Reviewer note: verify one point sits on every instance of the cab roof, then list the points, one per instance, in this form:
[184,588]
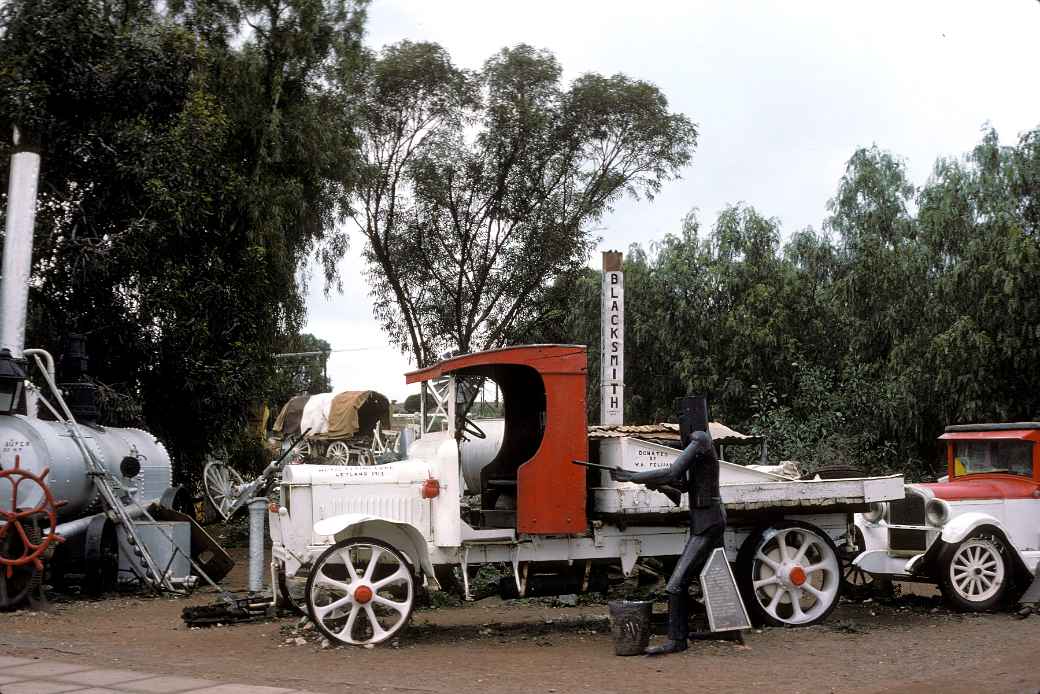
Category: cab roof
[1027,431]
[545,359]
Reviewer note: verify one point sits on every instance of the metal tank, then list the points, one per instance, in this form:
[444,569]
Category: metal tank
[40,444]
[476,453]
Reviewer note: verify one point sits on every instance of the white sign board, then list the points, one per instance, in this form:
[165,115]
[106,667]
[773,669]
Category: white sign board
[612,341]
[721,596]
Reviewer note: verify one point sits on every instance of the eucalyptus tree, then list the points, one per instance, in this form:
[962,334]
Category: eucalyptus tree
[195,158]
[483,187]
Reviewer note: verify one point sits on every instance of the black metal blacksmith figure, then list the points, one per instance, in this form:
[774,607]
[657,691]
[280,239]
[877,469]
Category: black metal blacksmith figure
[695,470]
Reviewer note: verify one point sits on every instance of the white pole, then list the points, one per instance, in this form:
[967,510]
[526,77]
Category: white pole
[18,243]
[612,341]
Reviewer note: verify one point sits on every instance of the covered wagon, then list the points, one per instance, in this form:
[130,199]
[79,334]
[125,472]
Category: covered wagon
[351,426]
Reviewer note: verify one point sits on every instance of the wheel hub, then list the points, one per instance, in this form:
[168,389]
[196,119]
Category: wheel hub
[796,576]
[363,595]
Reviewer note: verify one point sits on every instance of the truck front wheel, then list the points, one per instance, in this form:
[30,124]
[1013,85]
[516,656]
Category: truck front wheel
[360,591]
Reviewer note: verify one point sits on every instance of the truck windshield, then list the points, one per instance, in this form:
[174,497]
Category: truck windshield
[995,455]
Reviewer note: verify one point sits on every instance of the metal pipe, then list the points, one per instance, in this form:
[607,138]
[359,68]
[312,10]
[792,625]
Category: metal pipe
[75,528]
[422,409]
[47,358]
[257,511]
[17,261]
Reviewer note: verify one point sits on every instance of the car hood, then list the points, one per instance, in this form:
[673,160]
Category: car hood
[984,488]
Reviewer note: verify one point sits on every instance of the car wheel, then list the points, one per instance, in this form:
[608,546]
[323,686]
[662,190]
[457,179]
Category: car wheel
[974,574]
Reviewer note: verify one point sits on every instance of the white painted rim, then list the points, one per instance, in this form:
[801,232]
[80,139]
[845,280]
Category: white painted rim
[977,570]
[301,452]
[338,453]
[333,595]
[796,576]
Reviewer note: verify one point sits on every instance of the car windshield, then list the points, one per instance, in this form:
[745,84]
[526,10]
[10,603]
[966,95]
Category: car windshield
[993,455]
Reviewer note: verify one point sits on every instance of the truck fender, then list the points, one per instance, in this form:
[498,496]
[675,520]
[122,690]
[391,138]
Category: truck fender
[404,537]
[964,525]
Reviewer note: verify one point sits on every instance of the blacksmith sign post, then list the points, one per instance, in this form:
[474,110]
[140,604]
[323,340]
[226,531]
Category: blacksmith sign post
[612,341]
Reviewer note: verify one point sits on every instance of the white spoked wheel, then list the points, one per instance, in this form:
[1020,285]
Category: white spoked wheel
[338,453]
[221,485]
[360,591]
[790,575]
[300,453]
[974,573]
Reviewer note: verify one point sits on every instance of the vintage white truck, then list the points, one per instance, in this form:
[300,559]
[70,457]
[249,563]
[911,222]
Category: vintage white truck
[365,537]
[976,532]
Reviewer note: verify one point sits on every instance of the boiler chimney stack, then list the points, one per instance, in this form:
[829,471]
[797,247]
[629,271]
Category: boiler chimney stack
[18,242]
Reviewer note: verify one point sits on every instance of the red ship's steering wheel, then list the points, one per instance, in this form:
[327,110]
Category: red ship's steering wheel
[15,519]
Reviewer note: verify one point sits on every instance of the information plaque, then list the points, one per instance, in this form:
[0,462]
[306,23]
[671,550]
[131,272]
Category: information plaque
[721,596]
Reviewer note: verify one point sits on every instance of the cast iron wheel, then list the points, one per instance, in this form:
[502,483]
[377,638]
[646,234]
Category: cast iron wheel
[221,485]
[789,574]
[178,499]
[975,575]
[15,585]
[100,557]
[360,591]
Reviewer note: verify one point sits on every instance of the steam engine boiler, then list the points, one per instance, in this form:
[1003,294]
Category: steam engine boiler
[51,507]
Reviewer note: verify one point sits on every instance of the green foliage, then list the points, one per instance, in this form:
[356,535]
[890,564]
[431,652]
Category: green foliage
[190,170]
[914,309]
[300,374]
[412,403]
[482,188]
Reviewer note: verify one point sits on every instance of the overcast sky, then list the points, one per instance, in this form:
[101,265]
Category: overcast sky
[782,92]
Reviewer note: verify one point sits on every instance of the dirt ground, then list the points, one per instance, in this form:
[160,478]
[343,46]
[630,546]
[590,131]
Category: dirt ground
[909,644]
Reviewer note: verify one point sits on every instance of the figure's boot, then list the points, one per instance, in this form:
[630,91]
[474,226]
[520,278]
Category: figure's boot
[678,625]
[667,647]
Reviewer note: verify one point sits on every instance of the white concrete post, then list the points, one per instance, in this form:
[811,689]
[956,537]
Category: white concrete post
[612,341]
[257,516]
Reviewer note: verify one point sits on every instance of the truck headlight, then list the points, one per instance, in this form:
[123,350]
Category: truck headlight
[937,512]
[875,513]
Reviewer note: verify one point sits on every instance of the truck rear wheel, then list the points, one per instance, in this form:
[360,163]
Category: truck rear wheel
[789,574]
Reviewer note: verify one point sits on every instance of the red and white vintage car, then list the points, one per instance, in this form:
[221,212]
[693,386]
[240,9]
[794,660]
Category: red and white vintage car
[976,532]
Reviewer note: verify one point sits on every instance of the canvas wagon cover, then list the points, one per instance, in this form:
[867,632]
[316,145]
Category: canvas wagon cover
[288,420]
[327,415]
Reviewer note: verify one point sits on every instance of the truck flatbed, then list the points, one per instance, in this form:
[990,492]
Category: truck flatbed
[743,489]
